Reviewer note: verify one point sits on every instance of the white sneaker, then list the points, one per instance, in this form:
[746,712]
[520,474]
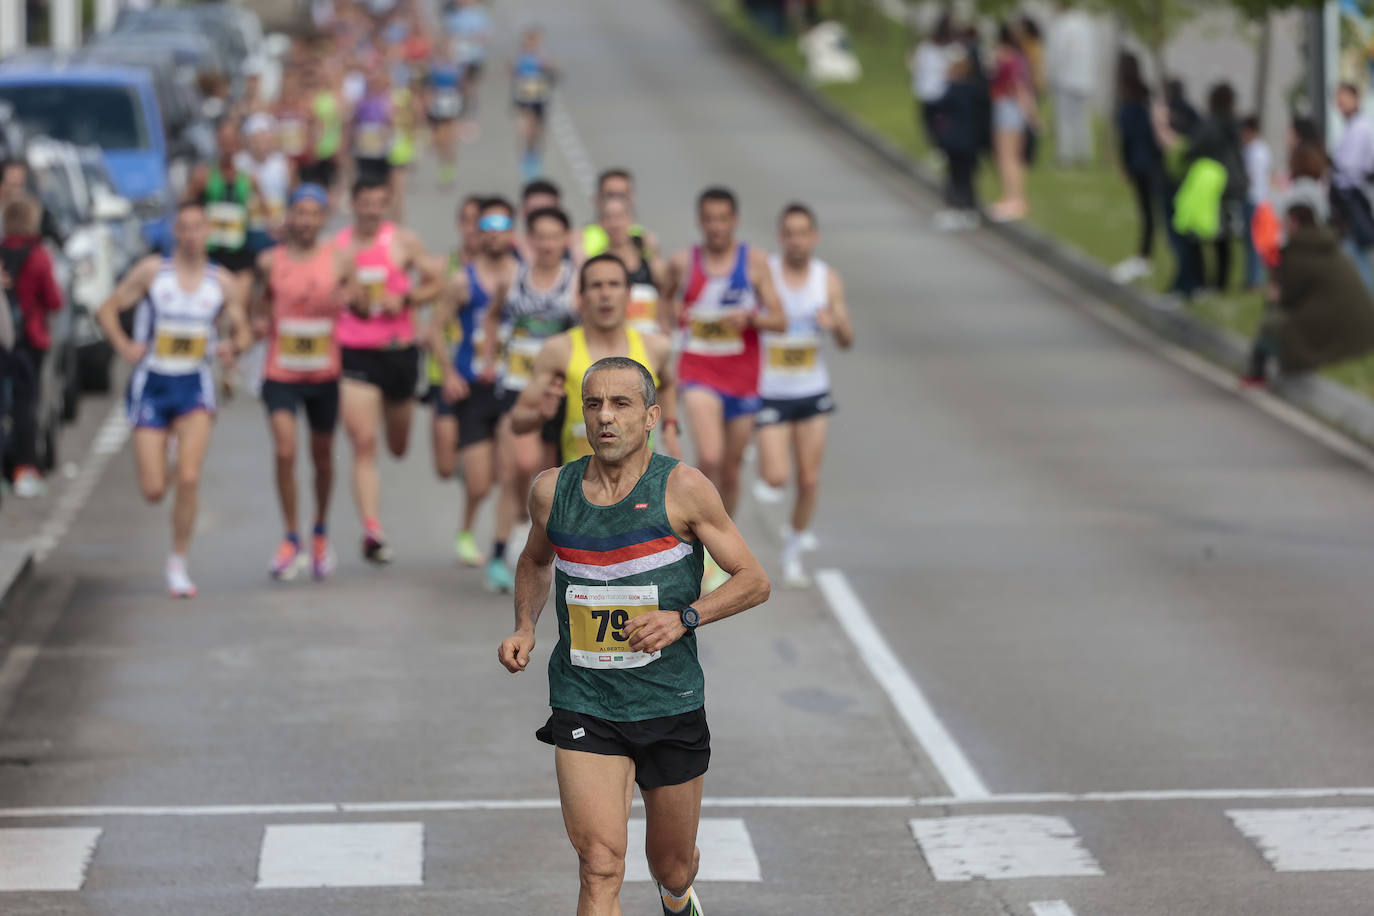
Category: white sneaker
[794,574]
[179,583]
[768,495]
[28,484]
[948,221]
[806,540]
[1130,270]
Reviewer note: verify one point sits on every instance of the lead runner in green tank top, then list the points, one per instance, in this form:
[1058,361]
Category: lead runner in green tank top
[620,535]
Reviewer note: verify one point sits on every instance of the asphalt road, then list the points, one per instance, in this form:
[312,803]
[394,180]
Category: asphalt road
[1106,576]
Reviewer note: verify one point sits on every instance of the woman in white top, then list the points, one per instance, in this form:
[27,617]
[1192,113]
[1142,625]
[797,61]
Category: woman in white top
[929,66]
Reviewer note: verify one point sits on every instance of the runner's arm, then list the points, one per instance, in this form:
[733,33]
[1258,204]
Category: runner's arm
[491,337]
[537,404]
[693,504]
[454,297]
[837,312]
[669,307]
[771,317]
[533,576]
[126,295]
[432,268]
[236,310]
[661,352]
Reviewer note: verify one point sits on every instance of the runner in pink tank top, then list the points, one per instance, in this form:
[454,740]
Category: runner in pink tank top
[304,295]
[723,292]
[379,356]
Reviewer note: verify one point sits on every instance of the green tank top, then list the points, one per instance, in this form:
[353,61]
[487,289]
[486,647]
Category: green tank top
[226,209]
[326,109]
[595,241]
[217,189]
[609,562]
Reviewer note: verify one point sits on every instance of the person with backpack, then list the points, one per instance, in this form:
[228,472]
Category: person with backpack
[31,288]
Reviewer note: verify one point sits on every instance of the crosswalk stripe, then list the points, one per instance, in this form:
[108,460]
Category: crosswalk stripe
[727,851]
[1311,839]
[1002,846]
[342,855]
[46,858]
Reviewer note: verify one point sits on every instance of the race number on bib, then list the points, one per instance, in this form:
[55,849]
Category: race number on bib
[303,344]
[373,282]
[372,141]
[293,135]
[793,354]
[446,103]
[642,312]
[598,616]
[520,355]
[708,334]
[531,89]
[228,225]
[179,347]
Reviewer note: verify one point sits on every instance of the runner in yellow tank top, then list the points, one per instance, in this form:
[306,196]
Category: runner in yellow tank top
[565,358]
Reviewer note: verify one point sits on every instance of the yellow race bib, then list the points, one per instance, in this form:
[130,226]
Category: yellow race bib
[708,334]
[228,225]
[304,344]
[793,354]
[598,616]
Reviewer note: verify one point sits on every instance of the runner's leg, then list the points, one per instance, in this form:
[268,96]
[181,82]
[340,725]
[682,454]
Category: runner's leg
[671,815]
[479,469]
[193,441]
[596,791]
[774,462]
[398,416]
[444,435]
[706,418]
[362,406]
[809,437]
[283,423]
[150,459]
[322,456]
[737,433]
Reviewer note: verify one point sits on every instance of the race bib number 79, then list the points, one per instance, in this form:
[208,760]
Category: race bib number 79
[598,617]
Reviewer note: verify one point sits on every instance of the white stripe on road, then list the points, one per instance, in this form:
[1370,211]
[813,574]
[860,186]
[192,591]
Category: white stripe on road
[912,705]
[727,852]
[1000,846]
[1311,839]
[1050,908]
[1149,795]
[342,855]
[110,438]
[571,145]
[46,858]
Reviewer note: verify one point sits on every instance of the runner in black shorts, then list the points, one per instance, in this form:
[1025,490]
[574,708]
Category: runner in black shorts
[532,77]
[625,682]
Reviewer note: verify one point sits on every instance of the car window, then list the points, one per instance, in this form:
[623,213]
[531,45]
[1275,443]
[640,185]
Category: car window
[88,115]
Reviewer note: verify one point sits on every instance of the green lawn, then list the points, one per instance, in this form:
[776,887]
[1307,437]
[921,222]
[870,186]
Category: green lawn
[1091,208]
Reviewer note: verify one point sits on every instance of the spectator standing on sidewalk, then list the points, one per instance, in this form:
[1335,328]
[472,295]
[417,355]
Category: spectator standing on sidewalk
[958,133]
[1014,113]
[1141,160]
[1072,75]
[1259,167]
[1217,139]
[34,294]
[1352,170]
[1033,46]
[929,66]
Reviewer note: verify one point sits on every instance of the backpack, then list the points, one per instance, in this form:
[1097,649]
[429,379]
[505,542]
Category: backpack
[13,261]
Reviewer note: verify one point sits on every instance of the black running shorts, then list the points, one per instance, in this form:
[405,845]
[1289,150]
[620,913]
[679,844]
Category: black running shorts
[320,399]
[667,752]
[395,371]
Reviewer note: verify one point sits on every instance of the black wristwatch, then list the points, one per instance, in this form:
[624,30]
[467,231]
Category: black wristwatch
[690,618]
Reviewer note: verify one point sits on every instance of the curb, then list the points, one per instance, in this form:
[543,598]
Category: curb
[1323,398]
[16,565]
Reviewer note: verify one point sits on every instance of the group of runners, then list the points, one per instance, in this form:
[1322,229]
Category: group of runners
[559,363]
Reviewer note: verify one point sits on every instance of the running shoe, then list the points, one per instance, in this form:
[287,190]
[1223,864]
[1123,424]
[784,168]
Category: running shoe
[768,495]
[179,583]
[288,562]
[375,549]
[794,575]
[28,483]
[322,558]
[499,576]
[465,545]
[689,907]
[806,540]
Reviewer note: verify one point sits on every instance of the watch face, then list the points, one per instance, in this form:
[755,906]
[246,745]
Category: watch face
[690,617]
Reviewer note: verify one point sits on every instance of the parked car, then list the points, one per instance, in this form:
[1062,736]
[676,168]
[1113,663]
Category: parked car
[111,107]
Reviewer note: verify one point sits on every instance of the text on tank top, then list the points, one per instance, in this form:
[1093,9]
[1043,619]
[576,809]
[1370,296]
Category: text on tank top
[793,362]
[613,564]
[532,316]
[302,347]
[573,438]
[178,327]
[377,273]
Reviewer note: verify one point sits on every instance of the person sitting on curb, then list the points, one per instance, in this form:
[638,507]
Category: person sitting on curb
[1324,314]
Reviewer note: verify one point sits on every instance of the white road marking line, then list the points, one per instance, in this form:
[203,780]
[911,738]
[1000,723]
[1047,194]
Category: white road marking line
[570,144]
[109,439]
[1051,908]
[46,858]
[1149,795]
[342,855]
[997,846]
[1311,839]
[955,768]
[727,852]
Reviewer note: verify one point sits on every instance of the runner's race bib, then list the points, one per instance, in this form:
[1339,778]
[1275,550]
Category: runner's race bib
[446,104]
[304,344]
[709,335]
[179,347]
[598,616]
[520,353]
[293,137]
[798,353]
[642,312]
[373,282]
[372,141]
[228,225]
[531,88]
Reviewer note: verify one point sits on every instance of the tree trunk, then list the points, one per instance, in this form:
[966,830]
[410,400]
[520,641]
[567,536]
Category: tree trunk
[1262,68]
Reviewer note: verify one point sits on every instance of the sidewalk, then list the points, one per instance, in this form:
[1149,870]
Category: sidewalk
[1348,409]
